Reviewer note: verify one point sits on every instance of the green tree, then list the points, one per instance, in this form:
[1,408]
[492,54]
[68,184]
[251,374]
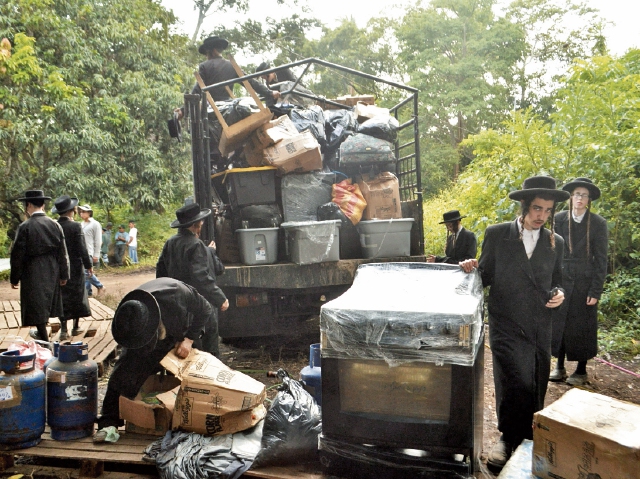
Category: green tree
[85,99]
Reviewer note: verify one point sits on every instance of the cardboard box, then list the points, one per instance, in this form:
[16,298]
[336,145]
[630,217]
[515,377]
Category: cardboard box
[209,391]
[587,435]
[254,155]
[298,153]
[365,112]
[382,194]
[271,133]
[352,100]
[143,415]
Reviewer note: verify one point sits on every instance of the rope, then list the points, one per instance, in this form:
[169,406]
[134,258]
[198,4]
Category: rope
[617,367]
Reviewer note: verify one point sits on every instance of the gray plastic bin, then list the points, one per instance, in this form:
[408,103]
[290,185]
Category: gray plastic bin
[258,245]
[385,238]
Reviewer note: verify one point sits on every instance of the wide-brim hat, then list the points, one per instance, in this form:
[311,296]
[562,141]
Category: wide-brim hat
[85,208]
[135,323]
[594,191]
[175,130]
[450,216]
[213,42]
[64,203]
[33,195]
[189,214]
[263,66]
[539,185]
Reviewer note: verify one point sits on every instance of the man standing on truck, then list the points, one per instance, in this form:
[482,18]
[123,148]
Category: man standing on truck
[216,69]
[185,257]
[521,262]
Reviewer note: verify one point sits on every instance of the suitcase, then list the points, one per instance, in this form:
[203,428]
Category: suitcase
[302,193]
[362,150]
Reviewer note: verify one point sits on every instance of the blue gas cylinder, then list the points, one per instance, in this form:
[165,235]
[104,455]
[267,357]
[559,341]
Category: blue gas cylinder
[72,392]
[311,376]
[22,393]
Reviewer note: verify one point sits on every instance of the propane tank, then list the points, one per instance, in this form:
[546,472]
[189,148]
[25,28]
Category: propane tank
[72,392]
[22,399]
[311,376]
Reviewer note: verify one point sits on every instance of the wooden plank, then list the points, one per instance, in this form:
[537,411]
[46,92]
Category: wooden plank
[13,319]
[3,321]
[53,472]
[15,305]
[96,311]
[293,472]
[6,306]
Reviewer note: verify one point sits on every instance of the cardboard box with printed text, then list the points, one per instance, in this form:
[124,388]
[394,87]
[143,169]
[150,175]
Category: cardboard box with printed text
[382,194]
[298,153]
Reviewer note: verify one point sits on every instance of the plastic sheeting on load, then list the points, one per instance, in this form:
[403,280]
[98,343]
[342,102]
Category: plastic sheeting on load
[302,193]
[311,119]
[402,312]
[187,455]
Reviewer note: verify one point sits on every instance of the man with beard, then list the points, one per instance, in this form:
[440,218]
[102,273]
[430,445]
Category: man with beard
[521,262]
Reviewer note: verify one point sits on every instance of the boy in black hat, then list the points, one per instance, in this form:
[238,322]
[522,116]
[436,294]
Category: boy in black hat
[39,261]
[158,316]
[575,328]
[185,257]
[461,243]
[521,262]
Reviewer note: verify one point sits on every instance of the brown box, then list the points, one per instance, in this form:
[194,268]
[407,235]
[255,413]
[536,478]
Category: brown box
[271,133]
[298,153]
[351,100]
[143,415]
[585,435]
[382,195]
[213,398]
[228,249]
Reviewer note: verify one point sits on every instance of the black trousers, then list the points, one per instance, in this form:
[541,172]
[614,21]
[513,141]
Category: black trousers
[210,340]
[131,370]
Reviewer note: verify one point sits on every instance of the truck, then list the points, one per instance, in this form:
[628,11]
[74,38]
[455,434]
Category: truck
[284,298]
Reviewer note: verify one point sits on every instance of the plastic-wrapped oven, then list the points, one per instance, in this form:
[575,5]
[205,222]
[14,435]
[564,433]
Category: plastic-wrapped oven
[403,312]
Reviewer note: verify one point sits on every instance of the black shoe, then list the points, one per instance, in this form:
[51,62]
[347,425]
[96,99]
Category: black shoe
[64,335]
[76,331]
[34,334]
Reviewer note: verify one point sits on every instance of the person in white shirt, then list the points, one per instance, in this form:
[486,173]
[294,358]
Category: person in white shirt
[133,242]
[92,231]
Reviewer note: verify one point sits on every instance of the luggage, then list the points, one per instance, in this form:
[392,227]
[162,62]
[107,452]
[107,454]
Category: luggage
[302,194]
[257,216]
[362,150]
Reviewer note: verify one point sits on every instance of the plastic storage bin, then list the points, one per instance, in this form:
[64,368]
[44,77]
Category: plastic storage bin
[258,245]
[247,186]
[385,238]
[313,241]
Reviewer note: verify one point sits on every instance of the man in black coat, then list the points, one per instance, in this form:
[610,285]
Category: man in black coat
[575,327]
[150,321]
[39,260]
[461,243]
[185,257]
[75,299]
[521,262]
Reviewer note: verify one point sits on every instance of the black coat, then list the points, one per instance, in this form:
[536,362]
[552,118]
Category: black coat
[185,257]
[39,261]
[218,70]
[576,323]
[75,302]
[465,247]
[519,322]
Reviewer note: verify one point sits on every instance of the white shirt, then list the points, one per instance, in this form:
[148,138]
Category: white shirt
[133,236]
[578,219]
[92,236]
[529,238]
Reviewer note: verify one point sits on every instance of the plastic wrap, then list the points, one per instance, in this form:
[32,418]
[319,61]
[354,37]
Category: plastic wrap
[402,312]
[338,125]
[382,127]
[292,426]
[302,194]
[311,119]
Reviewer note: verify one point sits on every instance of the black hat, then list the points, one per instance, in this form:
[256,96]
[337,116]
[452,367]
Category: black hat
[263,66]
[213,43]
[135,324]
[64,203]
[539,185]
[451,216]
[175,130]
[33,195]
[189,214]
[594,191]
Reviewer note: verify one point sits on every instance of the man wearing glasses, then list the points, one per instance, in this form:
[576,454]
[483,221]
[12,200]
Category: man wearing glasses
[575,330]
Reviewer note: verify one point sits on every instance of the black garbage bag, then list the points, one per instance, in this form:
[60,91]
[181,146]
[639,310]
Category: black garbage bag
[311,119]
[292,426]
[382,127]
[338,126]
[350,247]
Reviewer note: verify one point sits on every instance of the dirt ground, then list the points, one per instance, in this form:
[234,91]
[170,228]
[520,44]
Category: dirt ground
[258,356]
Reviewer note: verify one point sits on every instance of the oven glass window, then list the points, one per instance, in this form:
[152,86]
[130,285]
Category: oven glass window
[415,391]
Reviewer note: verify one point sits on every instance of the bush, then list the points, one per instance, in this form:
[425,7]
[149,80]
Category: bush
[619,313]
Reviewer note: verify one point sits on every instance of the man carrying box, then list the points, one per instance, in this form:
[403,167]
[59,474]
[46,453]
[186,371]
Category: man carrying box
[150,321]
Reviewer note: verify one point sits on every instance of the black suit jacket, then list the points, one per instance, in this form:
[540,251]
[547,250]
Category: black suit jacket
[465,247]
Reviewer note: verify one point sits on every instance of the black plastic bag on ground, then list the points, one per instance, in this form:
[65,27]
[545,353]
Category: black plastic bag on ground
[292,426]
[382,127]
[311,119]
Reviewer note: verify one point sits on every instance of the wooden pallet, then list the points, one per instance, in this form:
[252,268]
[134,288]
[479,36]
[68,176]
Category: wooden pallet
[97,330]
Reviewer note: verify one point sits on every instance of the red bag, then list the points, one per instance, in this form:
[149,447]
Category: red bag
[350,200]
[30,347]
